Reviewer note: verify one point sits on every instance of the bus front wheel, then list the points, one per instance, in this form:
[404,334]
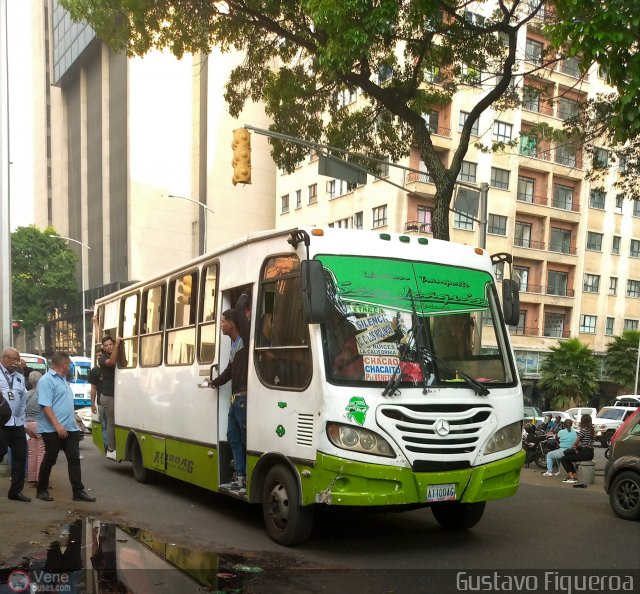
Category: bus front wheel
[286,521]
[454,515]
[140,473]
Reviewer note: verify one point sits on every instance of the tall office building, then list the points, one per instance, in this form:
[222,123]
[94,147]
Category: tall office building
[576,249]
[126,149]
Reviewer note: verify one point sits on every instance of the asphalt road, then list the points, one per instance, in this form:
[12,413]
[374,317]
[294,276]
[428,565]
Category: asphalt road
[547,525]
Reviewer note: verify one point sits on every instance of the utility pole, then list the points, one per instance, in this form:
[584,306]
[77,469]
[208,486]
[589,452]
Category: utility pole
[6,325]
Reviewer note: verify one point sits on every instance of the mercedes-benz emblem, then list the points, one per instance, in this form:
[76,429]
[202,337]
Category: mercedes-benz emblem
[441,427]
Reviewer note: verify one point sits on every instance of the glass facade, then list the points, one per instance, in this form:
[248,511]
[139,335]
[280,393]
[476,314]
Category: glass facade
[69,40]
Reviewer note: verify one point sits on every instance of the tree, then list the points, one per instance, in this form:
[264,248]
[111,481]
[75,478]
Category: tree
[621,360]
[300,54]
[43,271]
[569,374]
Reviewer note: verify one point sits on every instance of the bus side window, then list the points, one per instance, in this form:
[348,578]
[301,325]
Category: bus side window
[181,319]
[128,354]
[282,354]
[207,328]
[151,326]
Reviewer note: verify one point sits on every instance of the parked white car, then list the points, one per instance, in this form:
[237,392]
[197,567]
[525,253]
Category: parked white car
[576,413]
[609,420]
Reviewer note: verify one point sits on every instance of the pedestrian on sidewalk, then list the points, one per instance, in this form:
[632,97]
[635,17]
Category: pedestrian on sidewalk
[35,445]
[58,427]
[566,437]
[581,450]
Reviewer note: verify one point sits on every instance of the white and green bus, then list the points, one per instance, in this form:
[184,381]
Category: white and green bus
[380,374]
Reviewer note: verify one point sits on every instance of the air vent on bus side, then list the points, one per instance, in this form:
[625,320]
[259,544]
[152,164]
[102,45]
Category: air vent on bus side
[304,435]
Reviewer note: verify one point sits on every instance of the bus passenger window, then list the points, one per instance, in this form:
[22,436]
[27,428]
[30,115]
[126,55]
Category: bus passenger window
[151,326]
[181,320]
[207,329]
[128,354]
[282,353]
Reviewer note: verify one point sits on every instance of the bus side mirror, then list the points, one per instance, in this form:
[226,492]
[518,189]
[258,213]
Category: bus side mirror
[314,291]
[511,302]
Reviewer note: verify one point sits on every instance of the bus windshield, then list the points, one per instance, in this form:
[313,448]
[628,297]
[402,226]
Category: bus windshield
[400,323]
[80,372]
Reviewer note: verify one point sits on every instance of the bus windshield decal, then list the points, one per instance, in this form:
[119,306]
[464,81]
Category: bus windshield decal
[377,282]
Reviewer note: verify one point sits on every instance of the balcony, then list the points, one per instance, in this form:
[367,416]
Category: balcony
[554,333]
[417,226]
[560,291]
[526,331]
[562,249]
[528,243]
[439,130]
[566,205]
[532,199]
[529,288]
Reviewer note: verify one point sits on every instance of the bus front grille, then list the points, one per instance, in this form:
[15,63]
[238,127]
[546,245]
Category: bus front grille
[435,435]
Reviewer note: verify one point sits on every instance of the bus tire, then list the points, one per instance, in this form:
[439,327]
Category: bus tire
[454,515]
[140,473]
[286,521]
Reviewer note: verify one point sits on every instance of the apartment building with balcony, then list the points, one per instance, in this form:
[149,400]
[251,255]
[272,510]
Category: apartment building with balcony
[575,243]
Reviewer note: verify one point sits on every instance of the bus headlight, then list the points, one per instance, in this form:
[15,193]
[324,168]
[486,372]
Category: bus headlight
[356,439]
[505,438]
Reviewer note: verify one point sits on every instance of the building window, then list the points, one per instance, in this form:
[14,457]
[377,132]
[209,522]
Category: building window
[634,248]
[385,73]
[591,283]
[615,244]
[284,203]
[528,145]
[526,188]
[313,193]
[379,216]
[383,169]
[500,178]
[358,222]
[431,119]
[601,158]
[331,189]
[608,330]
[566,155]
[521,274]
[635,211]
[619,203]
[563,197]
[596,199]
[462,221]
[613,285]
[471,75]
[432,75]
[633,288]
[346,97]
[568,108]
[554,325]
[560,240]
[468,172]
[522,235]
[424,218]
[502,131]
[533,51]
[630,325]
[571,66]
[497,225]
[298,198]
[498,271]
[531,99]
[463,118]
[557,283]
[594,241]
[588,324]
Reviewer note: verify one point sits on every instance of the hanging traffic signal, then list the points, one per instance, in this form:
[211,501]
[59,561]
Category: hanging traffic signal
[241,162]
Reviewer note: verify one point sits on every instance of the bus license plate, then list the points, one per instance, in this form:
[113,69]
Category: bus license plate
[441,493]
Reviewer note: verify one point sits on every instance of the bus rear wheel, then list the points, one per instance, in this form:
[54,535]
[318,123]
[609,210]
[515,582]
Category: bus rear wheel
[286,521]
[454,515]
[140,473]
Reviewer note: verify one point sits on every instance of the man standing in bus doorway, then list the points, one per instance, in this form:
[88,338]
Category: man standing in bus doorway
[57,425]
[13,435]
[107,362]
[236,324]
[95,379]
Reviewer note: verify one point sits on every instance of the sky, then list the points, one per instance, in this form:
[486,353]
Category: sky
[19,54]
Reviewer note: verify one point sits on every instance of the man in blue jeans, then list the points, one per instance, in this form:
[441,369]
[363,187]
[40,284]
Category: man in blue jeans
[236,371]
[57,425]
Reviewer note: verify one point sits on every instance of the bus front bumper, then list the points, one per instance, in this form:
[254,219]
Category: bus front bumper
[337,481]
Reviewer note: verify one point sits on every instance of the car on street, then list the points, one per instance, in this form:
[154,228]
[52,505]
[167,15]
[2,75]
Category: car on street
[627,400]
[608,421]
[622,472]
[577,413]
[555,413]
[532,414]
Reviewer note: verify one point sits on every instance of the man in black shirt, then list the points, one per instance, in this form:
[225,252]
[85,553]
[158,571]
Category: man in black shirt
[95,379]
[107,362]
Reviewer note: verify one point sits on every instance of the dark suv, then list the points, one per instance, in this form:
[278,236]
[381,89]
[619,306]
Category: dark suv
[622,473]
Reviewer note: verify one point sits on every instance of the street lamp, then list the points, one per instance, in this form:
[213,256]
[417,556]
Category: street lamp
[84,317]
[204,248]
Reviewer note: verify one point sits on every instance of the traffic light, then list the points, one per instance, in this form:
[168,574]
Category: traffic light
[241,146]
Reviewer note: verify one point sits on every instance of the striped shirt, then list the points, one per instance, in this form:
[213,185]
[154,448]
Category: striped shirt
[586,438]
